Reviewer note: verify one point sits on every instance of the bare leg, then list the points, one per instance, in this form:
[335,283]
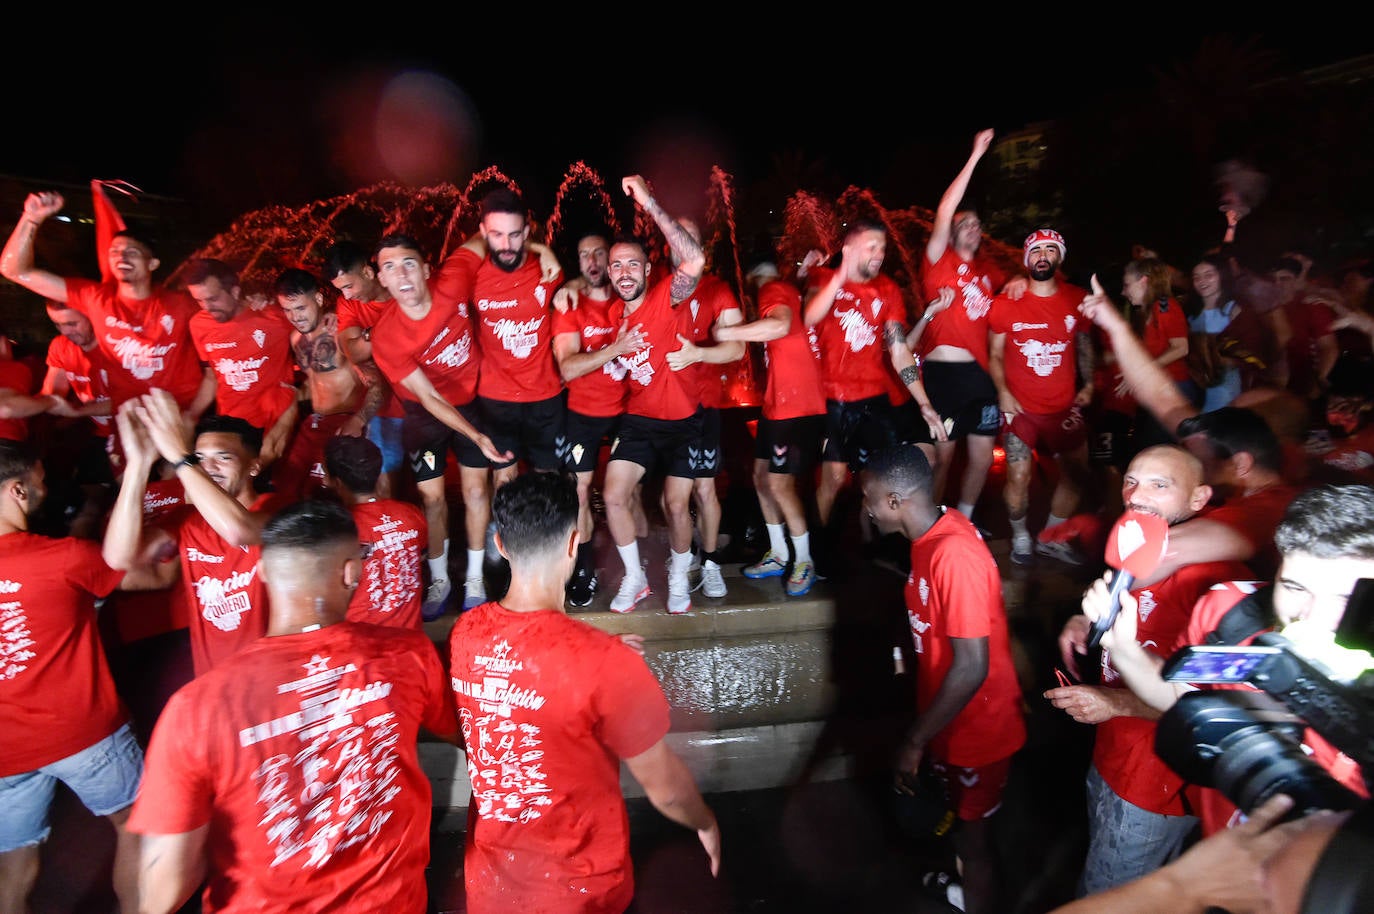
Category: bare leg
[476,482]
[973,842]
[944,456]
[584,507]
[979,455]
[677,497]
[621,493]
[126,862]
[18,875]
[1073,477]
[708,512]
[834,474]
[434,501]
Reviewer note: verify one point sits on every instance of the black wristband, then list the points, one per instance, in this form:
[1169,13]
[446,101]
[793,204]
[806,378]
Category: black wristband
[190,460]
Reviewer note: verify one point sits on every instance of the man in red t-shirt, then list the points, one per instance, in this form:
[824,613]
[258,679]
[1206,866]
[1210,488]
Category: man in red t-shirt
[1130,789]
[1041,360]
[951,337]
[392,533]
[78,369]
[249,352]
[549,707]
[859,316]
[16,394]
[662,421]
[217,544]
[587,347]
[1326,540]
[362,299]
[144,331]
[425,347]
[288,779]
[791,424]
[968,699]
[60,714]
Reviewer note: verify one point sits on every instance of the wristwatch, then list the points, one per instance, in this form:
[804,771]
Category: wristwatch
[190,460]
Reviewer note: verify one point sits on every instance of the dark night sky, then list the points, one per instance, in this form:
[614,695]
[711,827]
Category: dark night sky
[242,114]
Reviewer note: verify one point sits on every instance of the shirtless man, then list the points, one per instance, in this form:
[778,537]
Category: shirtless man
[343,396]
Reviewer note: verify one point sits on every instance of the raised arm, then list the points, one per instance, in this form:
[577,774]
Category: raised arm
[952,197]
[687,253]
[16,261]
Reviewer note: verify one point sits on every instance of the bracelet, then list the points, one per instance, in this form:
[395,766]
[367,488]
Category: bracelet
[190,460]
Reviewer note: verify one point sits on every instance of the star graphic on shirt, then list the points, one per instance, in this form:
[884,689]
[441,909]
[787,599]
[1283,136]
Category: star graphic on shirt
[316,665]
[501,650]
[386,518]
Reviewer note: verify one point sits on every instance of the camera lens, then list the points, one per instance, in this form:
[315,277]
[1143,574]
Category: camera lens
[1255,763]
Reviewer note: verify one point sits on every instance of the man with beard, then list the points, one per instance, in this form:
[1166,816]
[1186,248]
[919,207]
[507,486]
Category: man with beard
[343,397]
[1041,361]
[1137,815]
[859,317]
[587,346]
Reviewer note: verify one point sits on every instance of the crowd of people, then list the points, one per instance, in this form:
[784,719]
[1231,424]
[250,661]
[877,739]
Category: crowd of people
[272,479]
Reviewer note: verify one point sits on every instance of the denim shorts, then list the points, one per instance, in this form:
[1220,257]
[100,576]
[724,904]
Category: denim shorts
[104,776]
[385,432]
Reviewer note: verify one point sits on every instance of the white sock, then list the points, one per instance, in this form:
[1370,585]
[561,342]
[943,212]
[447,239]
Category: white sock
[777,540]
[681,562]
[1054,519]
[801,545]
[438,566]
[1018,529]
[475,557]
[630,556]
[966,509]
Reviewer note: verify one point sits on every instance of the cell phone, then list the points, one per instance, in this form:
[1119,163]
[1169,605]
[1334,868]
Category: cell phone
[1217,663]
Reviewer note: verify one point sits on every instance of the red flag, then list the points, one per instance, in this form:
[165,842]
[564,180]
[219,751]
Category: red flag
[108,221]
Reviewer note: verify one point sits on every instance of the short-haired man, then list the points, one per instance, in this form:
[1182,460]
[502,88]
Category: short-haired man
[548,831]
[969,720]
[1041,360]
[288,779]
[61,716]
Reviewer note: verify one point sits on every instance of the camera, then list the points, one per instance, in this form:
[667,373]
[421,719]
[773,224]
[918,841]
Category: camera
[1248,743]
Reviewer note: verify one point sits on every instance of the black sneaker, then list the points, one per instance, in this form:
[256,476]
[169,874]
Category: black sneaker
[581,587]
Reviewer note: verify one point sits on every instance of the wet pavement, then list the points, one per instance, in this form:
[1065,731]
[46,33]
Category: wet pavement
[810,845]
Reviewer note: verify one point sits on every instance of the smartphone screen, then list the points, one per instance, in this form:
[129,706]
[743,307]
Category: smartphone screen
[1216,663]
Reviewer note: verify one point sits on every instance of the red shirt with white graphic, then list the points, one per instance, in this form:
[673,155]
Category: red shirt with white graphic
[88,376]
[965,322]
[596,393]
[1215,811]
[299,753]
[147,342]
[1124,747]
[656,391]
[515,330]
[710,299]
[440,344]
[854,359]
[793,362]
[1041,349]
[143,613]
[250,355]
[954,591]
[56,693]
[395,536]
[228,601]
[549,706]
[364,314]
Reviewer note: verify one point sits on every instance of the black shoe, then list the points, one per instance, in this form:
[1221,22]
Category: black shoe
[581,587]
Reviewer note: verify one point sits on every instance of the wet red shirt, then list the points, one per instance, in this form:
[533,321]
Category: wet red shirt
[364,314]
[440,344]
[1256,517]
[602,392]
[299,753]
[395,536]
[1040,351]
[250,355]
[710,299]
[513,317]
[965,322]
[88,376]
[793,362]
[854,360]
[656,391]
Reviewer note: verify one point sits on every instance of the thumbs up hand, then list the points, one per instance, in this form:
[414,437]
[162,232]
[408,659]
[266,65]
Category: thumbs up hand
[1099,308]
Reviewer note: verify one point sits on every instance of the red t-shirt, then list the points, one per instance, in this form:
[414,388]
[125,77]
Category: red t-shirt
[1124,748]
[965,322]
[364,314]
[88,376]
[513,315]
[655,390]
[1215,811]
[1309,320]
[15,376]
[56,693]
[228,601]
[854,359]
[148,342]
[143,613]
[792,361]
[440,344]
[252,361]
[710,299]
[596,393]
[1040,352]
[549,706]
[1256,517]
[954,591]
[397,536]
[1165,322]
[300,755]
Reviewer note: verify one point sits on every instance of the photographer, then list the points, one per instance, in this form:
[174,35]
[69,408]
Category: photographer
[1326,545]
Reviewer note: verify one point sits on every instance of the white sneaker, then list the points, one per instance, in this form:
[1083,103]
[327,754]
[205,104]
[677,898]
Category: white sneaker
[633,589]
[474,593]
[436,599]
[679,594]
[1022,549]
[712,583]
